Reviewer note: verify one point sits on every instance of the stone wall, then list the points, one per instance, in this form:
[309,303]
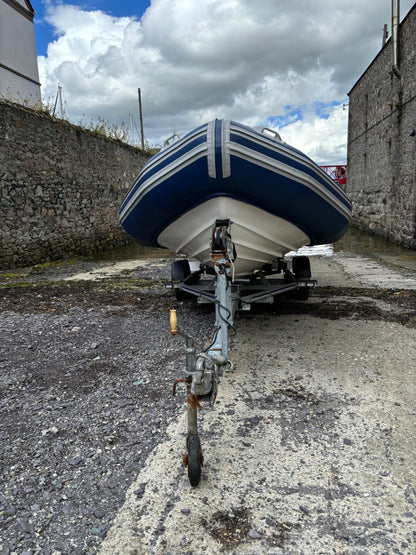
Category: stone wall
[381,150]
[60,188]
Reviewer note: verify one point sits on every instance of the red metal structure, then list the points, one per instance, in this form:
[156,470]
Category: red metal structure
[338,173]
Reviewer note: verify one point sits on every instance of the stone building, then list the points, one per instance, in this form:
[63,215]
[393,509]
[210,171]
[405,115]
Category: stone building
[19,77]
[382,139]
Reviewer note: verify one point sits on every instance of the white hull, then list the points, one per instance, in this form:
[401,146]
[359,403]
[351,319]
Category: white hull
[259,237]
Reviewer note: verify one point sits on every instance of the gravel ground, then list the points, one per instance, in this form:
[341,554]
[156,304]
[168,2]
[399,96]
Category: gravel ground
[86,384]
[317,437]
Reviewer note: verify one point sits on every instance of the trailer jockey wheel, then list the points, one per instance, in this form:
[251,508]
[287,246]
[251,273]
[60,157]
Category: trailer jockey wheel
[194,459]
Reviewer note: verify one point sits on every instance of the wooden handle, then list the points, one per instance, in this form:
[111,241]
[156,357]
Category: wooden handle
[173,322]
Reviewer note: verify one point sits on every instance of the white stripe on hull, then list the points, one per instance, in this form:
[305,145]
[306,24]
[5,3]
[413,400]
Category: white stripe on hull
[163,174]
[232,148]
[280,146]
[259,237]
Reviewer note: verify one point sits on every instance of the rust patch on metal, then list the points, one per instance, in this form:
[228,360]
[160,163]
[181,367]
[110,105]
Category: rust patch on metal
[193,401]
[181,380]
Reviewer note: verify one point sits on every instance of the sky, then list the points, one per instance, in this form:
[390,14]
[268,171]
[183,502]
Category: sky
[284,64]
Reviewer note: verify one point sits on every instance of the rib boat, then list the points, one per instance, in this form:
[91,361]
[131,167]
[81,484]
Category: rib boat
[237,199]
[276,198]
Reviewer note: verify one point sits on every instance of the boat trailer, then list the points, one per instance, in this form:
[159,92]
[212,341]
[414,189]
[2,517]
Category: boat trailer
[217,285]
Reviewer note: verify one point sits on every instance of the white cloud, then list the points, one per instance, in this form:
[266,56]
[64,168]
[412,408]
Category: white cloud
[199,59]
[322,139]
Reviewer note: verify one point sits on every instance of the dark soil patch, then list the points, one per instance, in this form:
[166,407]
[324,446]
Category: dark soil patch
[359,304]
[229,528]
[281,531]
[150,295]
[60,297]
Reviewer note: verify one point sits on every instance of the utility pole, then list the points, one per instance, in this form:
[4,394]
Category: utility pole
[59,99]
[131,127]
[141,117]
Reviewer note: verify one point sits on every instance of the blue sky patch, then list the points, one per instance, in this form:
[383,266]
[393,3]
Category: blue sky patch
[292,115]
[322,109]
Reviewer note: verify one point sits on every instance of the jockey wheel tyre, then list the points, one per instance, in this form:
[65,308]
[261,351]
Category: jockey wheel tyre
[195,459]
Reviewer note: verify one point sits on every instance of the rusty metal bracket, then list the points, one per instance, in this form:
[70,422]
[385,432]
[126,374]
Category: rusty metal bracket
[193,401]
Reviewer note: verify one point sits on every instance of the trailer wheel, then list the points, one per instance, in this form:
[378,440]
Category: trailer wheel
[301,267]
[195,459]
[180,270]
[302,293]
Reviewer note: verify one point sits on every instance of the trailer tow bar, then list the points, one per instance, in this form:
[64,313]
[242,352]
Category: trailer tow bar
[204,369]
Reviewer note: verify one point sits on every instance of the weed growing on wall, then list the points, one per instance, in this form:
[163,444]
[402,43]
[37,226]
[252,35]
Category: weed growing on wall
[107,129]
[100,127]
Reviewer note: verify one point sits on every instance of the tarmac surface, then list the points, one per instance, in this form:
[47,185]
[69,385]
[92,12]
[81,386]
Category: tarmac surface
[312,443]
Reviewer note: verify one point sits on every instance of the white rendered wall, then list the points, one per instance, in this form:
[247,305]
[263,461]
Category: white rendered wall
[18,53]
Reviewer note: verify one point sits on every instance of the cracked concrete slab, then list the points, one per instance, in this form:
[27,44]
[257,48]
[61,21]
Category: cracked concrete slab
[310,448]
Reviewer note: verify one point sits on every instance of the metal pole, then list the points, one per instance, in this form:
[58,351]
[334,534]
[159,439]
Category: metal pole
[61,107]
[141,117]
[192,414]
[56,102]
[131,127]
[395,37]
[223,312]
